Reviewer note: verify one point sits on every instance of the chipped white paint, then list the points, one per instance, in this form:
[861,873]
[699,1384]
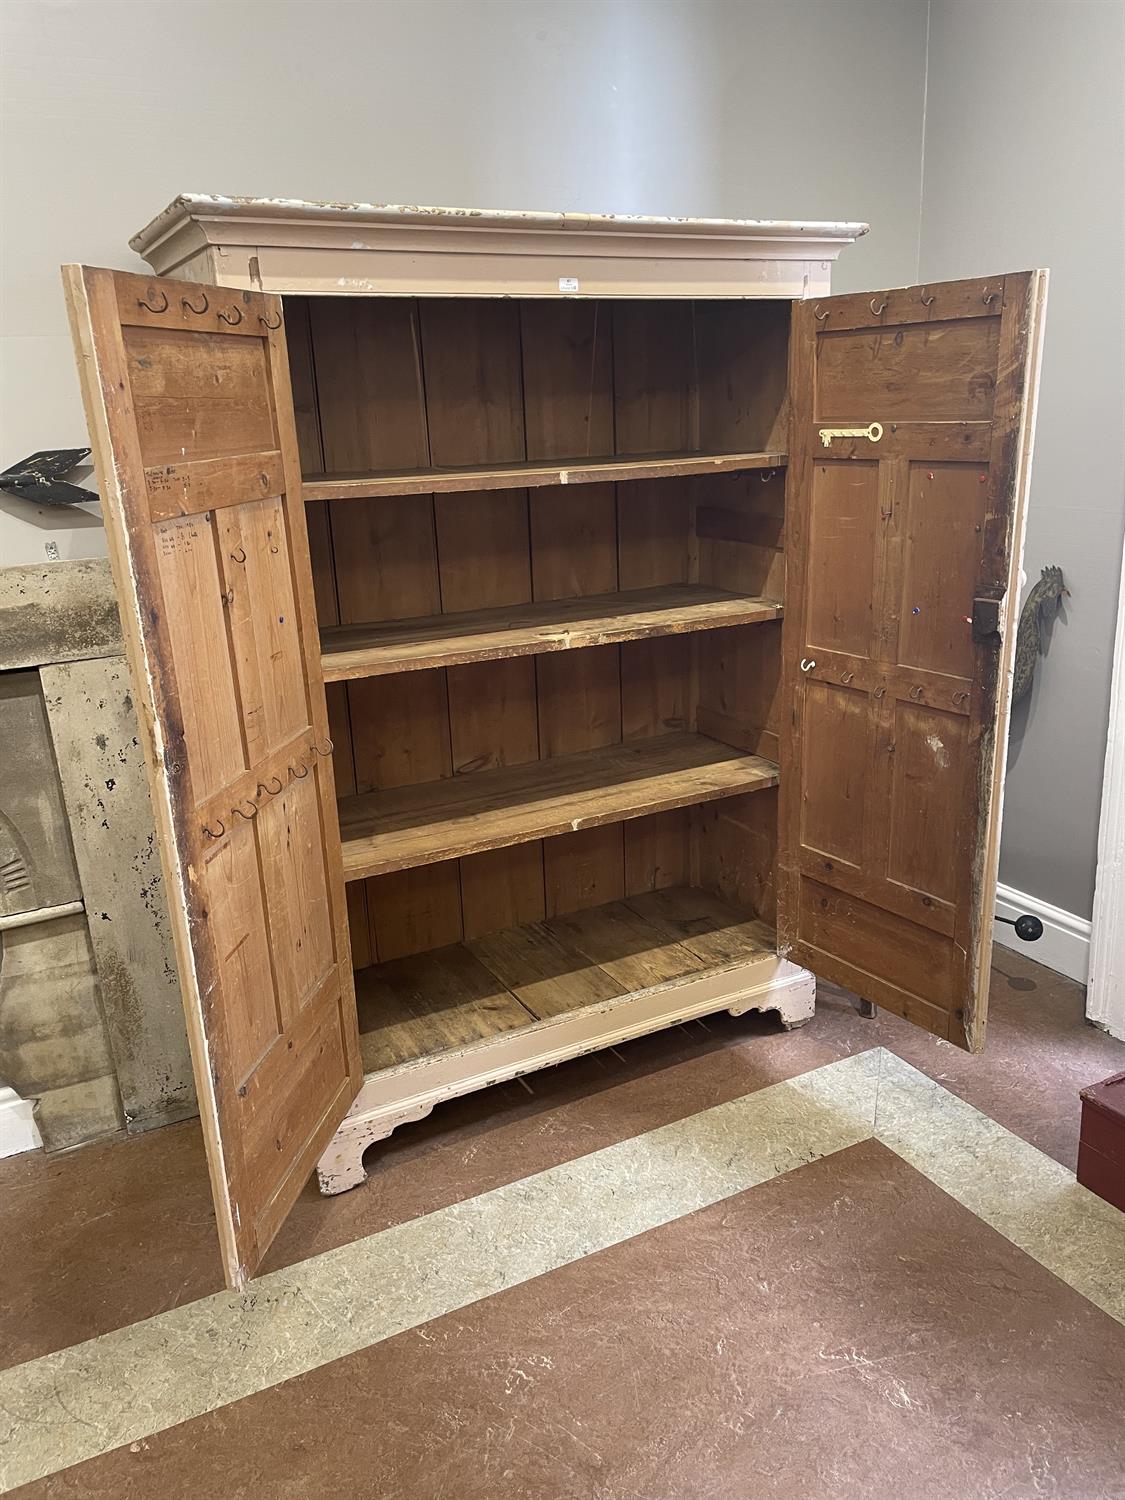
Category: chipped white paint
[366,249]
[126,1385]
[215,205]
[938,750]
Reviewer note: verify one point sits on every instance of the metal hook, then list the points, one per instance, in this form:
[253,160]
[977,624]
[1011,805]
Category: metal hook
[846,677]
[916,693]
[988,296]
[141,302]
[234,557]
[765,475]
[210,832]
[228,596]
[880,692]
[959,698]
[818,315]
[232,322]
[301,774]
[806,665]
[238,813]
[927,301]
[318,751]
[880,309]
[198,311]
[267,324]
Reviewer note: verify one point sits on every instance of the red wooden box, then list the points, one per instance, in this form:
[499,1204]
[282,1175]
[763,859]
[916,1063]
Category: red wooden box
[1101,1145]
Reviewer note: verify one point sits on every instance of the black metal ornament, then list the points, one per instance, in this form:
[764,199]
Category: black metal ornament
[1029,929]
[40,478]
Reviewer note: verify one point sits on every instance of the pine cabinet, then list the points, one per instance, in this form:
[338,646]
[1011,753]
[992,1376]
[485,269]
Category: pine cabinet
[546,629]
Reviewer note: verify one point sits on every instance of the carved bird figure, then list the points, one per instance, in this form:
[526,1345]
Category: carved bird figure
[1041,605]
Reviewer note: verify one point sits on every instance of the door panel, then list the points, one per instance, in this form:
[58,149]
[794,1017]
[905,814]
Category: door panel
[841,556]
[836,754]
[892,761]
[927,774]
[942,526]
[940,372]
[188,403]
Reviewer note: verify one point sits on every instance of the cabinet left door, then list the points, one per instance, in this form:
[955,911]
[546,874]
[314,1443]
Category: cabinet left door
[191,418]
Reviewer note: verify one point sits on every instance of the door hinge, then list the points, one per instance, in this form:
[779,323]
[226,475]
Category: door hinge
[986,622]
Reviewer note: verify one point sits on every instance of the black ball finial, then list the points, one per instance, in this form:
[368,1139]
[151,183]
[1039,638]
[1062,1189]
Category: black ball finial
[1028,929]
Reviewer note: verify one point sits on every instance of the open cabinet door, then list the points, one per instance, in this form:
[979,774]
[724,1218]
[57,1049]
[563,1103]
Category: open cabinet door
[189,409]
[903,553]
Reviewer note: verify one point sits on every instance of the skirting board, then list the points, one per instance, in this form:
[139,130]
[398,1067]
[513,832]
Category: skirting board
[18,1130]
[1065,944]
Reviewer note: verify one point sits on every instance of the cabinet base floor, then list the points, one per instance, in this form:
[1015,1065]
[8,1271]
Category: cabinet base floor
[447,1022]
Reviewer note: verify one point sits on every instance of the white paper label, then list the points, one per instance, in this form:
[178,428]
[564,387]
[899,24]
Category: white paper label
[568,283]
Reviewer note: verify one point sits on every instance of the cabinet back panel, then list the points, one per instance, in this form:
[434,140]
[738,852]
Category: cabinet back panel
[412,911]
[474,381]
[367,365]
[386,383]
[567,378]
[574,545]
[422,726]
[740,532]
[404,383]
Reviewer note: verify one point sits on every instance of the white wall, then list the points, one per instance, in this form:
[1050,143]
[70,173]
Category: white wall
[761,108]
[658,106]
[1025,166]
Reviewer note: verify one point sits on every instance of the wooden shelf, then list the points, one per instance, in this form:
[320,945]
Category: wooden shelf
[532,474]
[473,991]
[349,651]
[419,825]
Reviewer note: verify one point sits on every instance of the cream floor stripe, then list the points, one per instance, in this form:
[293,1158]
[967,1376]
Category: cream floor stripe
[1029,1198]
[126,1385]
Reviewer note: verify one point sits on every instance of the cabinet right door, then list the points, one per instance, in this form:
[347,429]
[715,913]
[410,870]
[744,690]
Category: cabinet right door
[912,414]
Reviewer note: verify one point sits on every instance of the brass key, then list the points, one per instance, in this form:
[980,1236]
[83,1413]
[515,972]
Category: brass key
[874,432]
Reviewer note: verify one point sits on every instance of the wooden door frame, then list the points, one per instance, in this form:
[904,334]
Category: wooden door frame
[1105,996]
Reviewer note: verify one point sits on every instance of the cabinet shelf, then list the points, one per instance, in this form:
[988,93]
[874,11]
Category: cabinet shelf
[409,826]
[531,474]
[351,651]
[473,991]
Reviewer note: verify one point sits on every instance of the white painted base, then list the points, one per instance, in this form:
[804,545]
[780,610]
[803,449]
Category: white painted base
[1065,944]
[18,1130]
[399,1095]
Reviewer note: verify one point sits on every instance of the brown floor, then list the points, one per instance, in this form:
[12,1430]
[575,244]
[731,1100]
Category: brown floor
[843,1330]
[121,1230]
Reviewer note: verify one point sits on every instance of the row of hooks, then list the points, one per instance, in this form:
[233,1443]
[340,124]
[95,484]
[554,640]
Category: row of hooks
[916,695]
[239,553]
[264,790]
[987,298]
[189,306]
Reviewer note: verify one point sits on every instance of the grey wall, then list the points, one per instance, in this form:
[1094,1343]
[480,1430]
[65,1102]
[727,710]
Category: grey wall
[760,108]
[657,106]
[1025,166]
